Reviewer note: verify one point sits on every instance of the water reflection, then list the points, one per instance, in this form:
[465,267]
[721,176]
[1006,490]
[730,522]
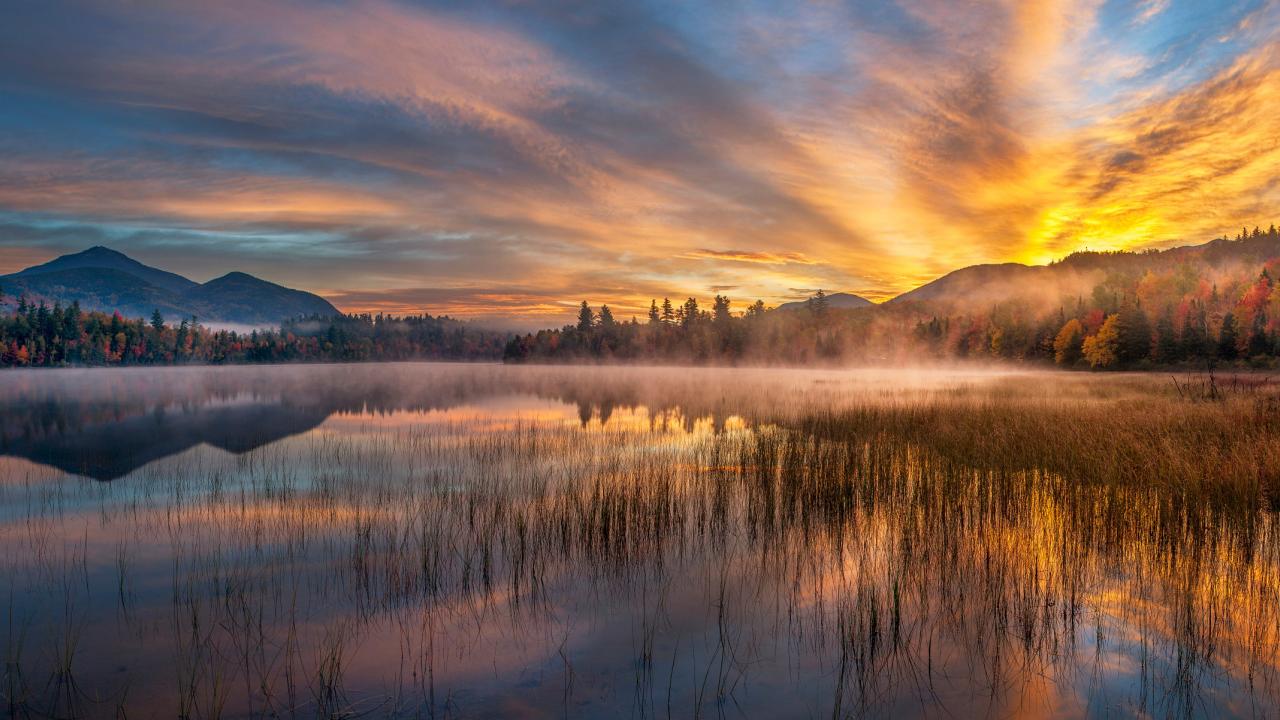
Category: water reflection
[458,541]
[105,427]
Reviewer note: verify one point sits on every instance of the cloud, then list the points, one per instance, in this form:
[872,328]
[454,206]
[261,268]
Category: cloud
[764,258]
[1149,9]
[495,159]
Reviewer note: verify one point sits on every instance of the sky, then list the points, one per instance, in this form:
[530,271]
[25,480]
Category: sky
[502,161]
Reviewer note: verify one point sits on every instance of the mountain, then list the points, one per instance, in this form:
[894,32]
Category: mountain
[835,300]
[102,279]
[238,294]
[1079,273]
[980,283]
[101,258]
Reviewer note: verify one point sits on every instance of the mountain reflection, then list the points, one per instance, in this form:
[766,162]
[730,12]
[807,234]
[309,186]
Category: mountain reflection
[485,541]
[73,422]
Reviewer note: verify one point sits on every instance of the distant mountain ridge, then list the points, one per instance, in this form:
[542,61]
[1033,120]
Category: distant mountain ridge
[1079,272]
[835,300]
[103,279]
[978,286]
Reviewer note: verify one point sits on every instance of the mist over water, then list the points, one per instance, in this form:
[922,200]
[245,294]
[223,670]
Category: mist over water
[420,540]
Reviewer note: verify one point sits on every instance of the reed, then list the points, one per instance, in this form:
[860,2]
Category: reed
[704,543]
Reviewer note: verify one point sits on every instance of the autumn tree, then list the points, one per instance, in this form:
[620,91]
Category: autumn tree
[1068,344]
[1102,349]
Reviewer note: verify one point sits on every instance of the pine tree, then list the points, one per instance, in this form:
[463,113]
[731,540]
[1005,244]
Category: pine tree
[606,317]
[654,317]
[1195,334]
[818,304]
[1228,338]
[1258,343]
[720,311]
[1135,334]
[668,315]
[691,312]
[1166,350]
[586,318]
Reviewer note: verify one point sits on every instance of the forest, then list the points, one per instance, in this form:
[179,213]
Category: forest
[37,335]
[1199,306]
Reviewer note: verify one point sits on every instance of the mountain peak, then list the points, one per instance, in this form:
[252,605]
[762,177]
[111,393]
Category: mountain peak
[100,278]
[102,250]
[105,258]
[237,275]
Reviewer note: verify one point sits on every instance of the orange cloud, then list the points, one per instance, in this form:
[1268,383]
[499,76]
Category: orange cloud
[764,258]
[523,158]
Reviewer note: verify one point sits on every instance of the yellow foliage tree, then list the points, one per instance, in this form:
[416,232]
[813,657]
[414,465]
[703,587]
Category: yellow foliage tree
[1067,345]
[1102,348]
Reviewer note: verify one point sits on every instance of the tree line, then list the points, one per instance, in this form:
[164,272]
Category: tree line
[689,333]
[1149,310]
[1207,305]
[39,335]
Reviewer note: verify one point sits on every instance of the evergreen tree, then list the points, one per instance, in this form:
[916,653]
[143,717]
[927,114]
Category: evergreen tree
[818,304]
[1195,334]
[1135,334]
[586,318]
[668,315]
[1258,343]
[181,342]
[691,313]
[606,317]
[654,317]
[720,311]
[1166,350]
[1228,338]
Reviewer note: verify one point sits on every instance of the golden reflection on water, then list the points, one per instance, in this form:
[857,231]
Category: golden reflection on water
[544,543]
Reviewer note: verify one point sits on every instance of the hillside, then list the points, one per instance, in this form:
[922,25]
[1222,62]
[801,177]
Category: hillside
[241,295]
[103,279]
[1078,273]
[841,301]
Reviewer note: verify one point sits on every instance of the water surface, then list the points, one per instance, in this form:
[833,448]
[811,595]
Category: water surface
[425,540]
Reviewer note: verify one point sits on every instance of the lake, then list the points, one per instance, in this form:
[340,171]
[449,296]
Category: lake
[477,541]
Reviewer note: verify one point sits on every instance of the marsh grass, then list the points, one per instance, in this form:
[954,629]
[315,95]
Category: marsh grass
[677,543]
